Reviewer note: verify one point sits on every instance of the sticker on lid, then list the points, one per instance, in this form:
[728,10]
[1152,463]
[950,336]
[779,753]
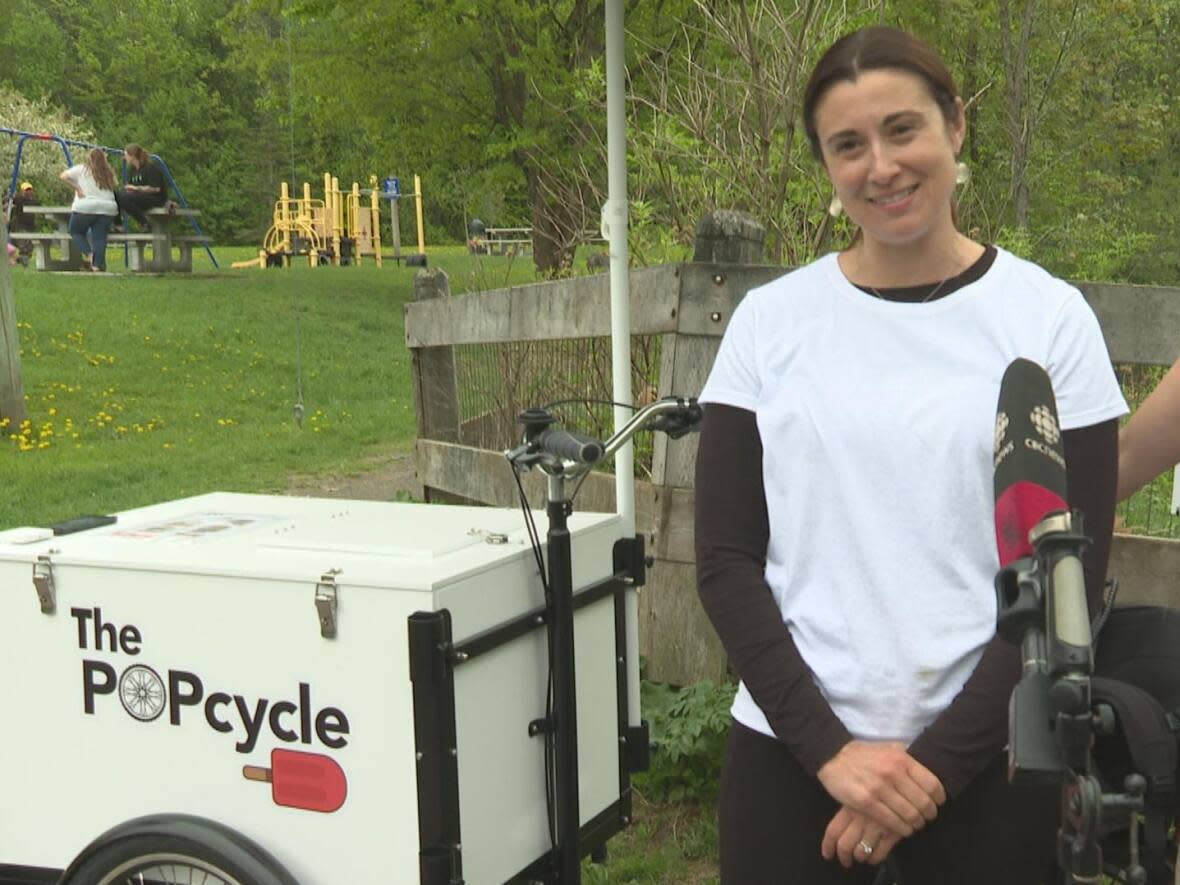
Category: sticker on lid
[194,527]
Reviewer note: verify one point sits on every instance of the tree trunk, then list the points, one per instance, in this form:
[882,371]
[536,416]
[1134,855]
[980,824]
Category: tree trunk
[12,393]
[554,217]
[1016,53]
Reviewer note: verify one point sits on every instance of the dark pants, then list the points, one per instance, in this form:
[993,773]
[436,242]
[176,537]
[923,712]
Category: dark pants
[89,233]
[773,817]
[135,203]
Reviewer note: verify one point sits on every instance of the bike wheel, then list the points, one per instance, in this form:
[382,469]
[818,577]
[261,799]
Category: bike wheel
[168,868]
[189,853]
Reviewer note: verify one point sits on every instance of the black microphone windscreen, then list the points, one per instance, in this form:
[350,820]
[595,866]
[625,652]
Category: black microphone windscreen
[1029,457]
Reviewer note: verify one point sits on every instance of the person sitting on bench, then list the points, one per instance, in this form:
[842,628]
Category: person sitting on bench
[146,187]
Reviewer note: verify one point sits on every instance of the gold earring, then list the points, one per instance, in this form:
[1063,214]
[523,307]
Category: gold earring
[835,207]
[962,173]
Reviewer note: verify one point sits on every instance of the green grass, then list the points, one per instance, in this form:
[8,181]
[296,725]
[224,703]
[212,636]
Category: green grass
[142,389]
[666,842]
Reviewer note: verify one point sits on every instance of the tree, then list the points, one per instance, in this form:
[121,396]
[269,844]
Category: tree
[40,161]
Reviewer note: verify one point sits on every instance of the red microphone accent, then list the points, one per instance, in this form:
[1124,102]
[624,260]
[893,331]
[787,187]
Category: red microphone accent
[1018,509]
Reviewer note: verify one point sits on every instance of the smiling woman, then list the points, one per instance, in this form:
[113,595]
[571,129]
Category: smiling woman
[889,136]
[850,577]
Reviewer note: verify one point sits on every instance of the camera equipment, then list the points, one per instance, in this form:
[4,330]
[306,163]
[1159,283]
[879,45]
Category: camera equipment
[1041,606]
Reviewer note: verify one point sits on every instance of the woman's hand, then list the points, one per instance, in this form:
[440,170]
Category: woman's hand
[882,780]
[854,836]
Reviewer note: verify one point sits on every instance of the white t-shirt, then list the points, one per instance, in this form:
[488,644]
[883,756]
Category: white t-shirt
[95,200]
[877,422]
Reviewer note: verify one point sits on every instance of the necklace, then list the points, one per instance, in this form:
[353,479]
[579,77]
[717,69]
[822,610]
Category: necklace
[933,292]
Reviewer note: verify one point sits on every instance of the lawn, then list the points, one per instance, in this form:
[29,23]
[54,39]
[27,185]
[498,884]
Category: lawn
[142,389]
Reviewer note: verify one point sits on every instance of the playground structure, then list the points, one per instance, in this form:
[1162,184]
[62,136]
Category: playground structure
[65,143]
[344,227]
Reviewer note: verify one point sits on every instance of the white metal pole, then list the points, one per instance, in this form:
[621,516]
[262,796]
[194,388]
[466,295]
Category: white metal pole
[614,224]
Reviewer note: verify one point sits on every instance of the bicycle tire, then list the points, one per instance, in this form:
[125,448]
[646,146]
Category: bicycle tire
[175,850]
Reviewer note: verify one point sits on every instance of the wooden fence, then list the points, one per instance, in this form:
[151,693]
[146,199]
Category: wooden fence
[686,307]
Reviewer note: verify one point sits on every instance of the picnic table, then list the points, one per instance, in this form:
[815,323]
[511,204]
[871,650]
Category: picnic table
[509,240]
[160,236]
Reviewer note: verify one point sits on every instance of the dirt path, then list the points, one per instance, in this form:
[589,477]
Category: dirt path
[379,478]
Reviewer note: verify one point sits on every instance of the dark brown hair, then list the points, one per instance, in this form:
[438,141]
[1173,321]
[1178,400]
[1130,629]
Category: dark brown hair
[141,156]
[104,175]
[873,49]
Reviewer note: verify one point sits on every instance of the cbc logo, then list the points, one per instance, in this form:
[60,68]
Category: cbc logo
[1046,424]
[1001,429]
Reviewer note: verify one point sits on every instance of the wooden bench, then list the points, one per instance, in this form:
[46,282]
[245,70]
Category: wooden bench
[509,240]
[185,247]
[159,236]
[161,260]
[42,242]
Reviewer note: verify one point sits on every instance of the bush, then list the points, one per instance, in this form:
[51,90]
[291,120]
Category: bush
[688,729]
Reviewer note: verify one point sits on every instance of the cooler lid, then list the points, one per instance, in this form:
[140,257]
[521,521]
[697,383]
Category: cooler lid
[382,544]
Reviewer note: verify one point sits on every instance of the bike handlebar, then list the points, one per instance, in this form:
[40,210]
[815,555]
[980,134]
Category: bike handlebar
[577,453]
[570,446]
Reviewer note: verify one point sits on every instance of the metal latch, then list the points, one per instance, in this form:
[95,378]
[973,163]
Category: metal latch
[489,537]
[325,603]
[43,582]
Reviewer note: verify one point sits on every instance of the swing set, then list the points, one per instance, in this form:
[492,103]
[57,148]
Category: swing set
[65,144]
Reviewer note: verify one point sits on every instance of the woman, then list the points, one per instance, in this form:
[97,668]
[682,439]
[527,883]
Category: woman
[145,188]
[93,210]
[850,579]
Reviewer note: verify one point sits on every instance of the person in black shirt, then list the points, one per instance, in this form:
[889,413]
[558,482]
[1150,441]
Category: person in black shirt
[22,221]
[146,187]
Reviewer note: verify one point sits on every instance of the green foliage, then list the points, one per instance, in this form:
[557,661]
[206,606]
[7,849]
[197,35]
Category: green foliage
[501,110]
[41,161]
[688,730]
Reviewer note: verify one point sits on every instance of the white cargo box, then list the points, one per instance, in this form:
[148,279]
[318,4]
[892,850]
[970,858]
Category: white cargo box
[166,664]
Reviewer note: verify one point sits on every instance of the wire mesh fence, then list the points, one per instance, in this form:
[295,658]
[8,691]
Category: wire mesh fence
[495,382]
[572,377]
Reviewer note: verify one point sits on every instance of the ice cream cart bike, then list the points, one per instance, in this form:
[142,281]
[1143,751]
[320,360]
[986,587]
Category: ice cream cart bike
[259,690]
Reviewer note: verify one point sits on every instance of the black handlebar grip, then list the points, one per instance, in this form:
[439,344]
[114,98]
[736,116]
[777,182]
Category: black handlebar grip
[570,446]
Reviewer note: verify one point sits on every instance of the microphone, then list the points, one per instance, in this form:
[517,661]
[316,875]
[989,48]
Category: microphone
[1029,459]
[1031,509]
[1041,589]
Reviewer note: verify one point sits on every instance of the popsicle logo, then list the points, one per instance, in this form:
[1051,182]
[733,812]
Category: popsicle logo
[146,694]
[309,781]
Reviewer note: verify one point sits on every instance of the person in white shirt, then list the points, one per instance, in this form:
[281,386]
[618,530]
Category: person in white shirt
[845,514]
[94,209]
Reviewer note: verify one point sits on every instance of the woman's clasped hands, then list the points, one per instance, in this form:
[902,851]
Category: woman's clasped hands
[885,795]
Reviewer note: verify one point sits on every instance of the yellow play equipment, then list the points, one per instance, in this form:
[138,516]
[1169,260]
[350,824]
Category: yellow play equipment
[342,228]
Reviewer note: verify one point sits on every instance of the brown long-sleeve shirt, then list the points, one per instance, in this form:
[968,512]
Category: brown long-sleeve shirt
[732,532]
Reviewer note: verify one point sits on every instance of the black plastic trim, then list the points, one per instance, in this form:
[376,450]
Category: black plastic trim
[630,559]
[12,874]
[593,834]
[638,743]
[635,742]
[501,634]
[440,857]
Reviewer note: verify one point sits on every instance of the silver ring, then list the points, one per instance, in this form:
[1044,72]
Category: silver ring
[866,848]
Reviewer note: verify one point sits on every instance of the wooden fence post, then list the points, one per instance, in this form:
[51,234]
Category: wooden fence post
[677,637]
[436,398]
[12,393]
